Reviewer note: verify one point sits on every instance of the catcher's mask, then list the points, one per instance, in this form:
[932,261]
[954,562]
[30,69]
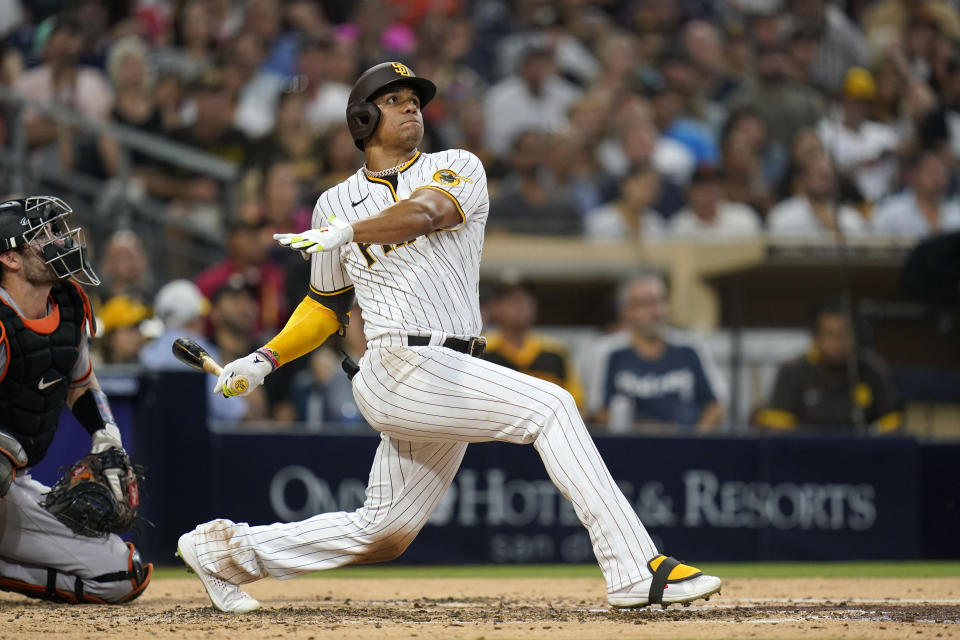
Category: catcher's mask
[362,115]
[43,223]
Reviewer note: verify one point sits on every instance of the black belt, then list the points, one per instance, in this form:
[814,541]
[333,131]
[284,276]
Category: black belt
[472,347]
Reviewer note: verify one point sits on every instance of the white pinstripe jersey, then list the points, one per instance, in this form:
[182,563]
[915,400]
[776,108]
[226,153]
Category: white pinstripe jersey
[423,285]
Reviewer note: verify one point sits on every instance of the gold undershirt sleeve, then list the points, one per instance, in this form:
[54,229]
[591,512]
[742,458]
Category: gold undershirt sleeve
[308,328]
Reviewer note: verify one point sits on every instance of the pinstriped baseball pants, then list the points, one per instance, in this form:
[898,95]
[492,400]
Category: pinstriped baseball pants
[429,403]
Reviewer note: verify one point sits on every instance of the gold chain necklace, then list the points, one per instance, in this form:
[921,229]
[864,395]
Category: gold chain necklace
[383,173]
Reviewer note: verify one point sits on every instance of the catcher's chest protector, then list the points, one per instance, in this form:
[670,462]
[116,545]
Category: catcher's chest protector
[34,388]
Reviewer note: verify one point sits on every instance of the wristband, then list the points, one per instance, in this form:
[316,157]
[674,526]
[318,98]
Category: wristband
[270,355]
[92,411]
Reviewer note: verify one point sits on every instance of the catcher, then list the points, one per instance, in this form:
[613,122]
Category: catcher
[58,544]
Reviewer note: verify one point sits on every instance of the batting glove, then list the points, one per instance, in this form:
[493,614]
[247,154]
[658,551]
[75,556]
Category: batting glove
[336,234]
[109,438]
[243,375]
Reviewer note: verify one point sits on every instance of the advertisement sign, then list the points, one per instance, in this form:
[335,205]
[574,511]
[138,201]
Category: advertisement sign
[704,499]
[712,499]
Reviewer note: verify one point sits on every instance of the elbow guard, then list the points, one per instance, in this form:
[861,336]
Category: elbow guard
[340,302]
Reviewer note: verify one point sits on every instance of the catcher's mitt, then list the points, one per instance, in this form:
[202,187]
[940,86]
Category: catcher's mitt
[83,500]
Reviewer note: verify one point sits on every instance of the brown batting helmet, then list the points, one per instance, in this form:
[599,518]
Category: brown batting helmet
[362,115]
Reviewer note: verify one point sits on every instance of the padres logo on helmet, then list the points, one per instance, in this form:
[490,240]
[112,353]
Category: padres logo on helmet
[401,69]
[449,177]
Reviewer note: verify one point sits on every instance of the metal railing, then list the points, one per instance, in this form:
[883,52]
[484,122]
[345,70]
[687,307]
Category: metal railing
[127,208]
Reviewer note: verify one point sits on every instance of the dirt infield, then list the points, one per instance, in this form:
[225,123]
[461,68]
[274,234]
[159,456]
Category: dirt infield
[315,608]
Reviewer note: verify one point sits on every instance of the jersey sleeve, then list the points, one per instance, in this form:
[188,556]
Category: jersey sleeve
[460,175]
[4,351]
[709,386]
[702,391]
[83,369]
[330,285]
[80,374]
[781,411]
[885,410]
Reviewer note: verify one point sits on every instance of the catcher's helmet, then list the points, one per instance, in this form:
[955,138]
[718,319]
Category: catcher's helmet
[42,221]
[362,115]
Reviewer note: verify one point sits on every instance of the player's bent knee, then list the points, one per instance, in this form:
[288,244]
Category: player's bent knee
[384,550]
[135,587]
[385,543]
[563,405]
[128,585]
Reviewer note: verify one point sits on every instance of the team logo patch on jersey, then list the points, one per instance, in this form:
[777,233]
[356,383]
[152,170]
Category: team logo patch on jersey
[450,178]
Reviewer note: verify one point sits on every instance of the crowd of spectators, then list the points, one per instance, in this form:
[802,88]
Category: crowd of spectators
[689,120]
[794,116]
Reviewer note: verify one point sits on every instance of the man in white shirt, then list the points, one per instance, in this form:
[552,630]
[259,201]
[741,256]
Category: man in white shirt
[631,216]
[709,216]
[813,212]
[923,207]
[533,99]
[861,148]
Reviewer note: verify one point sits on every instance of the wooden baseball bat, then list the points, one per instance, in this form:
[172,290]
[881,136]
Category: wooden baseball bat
[193,355]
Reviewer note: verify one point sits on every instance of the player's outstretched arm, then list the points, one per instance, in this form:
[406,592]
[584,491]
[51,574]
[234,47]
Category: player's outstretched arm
[308,328]
[424,211]
[336,234]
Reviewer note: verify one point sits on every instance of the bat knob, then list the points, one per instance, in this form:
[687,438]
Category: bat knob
[235,386]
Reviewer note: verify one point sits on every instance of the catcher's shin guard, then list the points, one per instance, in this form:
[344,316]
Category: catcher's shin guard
[138,574]
[128,585]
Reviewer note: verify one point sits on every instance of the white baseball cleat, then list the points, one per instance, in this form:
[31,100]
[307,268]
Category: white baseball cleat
[671,583]
[225,596]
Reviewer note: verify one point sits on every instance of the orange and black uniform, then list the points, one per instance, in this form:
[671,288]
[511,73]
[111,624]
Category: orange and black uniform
[40,557]
[35,354]
[540,357]
[812,395]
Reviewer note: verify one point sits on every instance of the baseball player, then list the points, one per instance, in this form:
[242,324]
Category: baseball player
[45,324]
[404,235]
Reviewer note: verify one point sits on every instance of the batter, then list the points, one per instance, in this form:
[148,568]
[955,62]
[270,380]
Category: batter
[404,235]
